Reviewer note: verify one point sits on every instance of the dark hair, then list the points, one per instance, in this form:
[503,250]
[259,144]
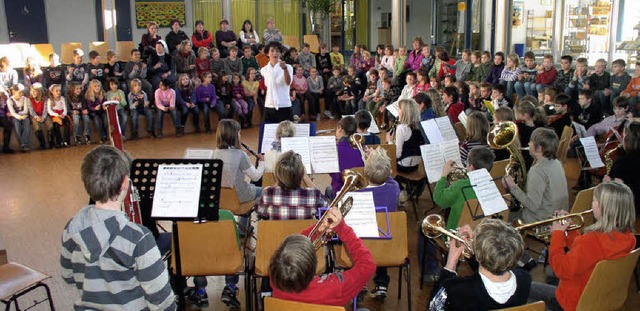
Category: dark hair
[585,93]
[620,62]
[244,23]
[374,71]
[413,74]
[134,50]
[444,56]
[423,98]
[93,54]
[632,138]
[103,170]
[621,102]
[529,55]
[112,80]
[363,119]
[452,91]
[274,45]
[499,54]
[173,21]
[562,99]
[289,170]
[481,157]
[500,88]
[567,57]
[348,125]
[166,82]
[199,22]
[227,134]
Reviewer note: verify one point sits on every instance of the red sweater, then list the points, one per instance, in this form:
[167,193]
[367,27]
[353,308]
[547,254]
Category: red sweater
[337,289]
[633,88]
[585,251]
[454,110]
[547,77]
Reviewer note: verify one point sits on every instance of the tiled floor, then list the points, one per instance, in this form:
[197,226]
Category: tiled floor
[41,190]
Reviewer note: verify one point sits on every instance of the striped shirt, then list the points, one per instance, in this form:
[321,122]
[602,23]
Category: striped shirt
[114,263]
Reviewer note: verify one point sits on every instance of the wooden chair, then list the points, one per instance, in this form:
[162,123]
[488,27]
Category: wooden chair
[123,49]
[100,47]
[229,201]
[564,144]
[41,53]
[497,171]
[268,179]
[466,217]
[583,203]
[534,306]
[392,252]
[275,304]
[461,131]
[292,42]
[415,183]
[313,42]
[66,51]
[608,285]
[222,255]
[271,233]
[17,280]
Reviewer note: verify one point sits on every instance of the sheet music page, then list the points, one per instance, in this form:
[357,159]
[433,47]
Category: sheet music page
[373,128]
[193,153]
[324,155]
[591,152]
[432,131]
[581,131]
[462,117]
[177,192]
[300,145]
[489,197]
[433,161]
[302,129]
[268,136]
[448,133]
[393,109]
[451,151]
[362,216]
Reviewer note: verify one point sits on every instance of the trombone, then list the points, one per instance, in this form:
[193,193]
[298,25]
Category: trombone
[352,181]
[433,227]
[542,230]
[356,140]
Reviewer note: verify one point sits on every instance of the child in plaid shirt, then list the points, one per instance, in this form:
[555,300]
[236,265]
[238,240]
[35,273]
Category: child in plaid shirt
[288,199]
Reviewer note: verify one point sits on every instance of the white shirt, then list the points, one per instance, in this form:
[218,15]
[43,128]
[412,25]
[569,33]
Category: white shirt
[500,291]
[277,90]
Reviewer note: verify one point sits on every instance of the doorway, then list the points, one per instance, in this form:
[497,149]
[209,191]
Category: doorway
[26,21]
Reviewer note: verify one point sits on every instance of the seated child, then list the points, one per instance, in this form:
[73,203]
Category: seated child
[477,130]
[620,111]
[363,119]
[562,117]
[165,99]
[123,108]
[139,105]
[288,199]
[632,91]
[95,97]
[587,113]
[407,137]
[40,120]
[186,101]
[348,157]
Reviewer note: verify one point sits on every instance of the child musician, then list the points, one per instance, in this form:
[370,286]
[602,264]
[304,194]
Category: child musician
[407,136]
[348,157]
[285,129]
[610,237]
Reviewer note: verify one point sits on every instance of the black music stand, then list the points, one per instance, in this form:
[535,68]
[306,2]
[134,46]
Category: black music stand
[474,210]
[143,176]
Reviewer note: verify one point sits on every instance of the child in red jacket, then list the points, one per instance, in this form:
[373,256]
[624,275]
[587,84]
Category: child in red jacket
[293,267]
[633,91]
[610,237]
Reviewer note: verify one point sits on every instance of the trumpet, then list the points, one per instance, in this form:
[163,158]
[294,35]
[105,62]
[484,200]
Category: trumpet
[352,181]
[356,141]
[542,230]
[433,227]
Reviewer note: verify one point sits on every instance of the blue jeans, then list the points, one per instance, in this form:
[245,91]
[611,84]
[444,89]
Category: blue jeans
[296,107]
[23,130]
[509,86]
[160,118]
[195,112]
[100,121]
[523,88]
[85,124]
[146,111]
[123,117]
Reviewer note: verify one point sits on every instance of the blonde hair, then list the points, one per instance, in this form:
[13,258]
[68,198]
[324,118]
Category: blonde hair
[410,113]
[515,58]
[289,170]
[497,246]
[477,127]
[377,167]
[617,209]
[436,102]
[285,129]
[90,94]
[227,135]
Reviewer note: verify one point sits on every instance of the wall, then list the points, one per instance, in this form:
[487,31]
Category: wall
[419,24]
[187,28]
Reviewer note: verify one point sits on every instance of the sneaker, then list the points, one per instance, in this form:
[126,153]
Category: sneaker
[361,295]
[78,141]
[197,297]
[404,197]
[87,140]
[328,114]
[379,293]
[229,297]
[296,119]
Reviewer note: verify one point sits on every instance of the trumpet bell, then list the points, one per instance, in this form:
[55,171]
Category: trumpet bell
[430,225]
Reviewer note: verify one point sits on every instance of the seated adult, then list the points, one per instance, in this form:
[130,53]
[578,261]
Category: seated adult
[271,33]
[225,38]
[175,37]
[249,37]
[201,38]
[161,65]
[497,247]
[148,42]
[610,237]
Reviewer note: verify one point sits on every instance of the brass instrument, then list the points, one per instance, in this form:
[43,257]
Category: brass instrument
[542,230]
[433,227]
[356,140]
[610,156]
[505,135]
[352,181]
[458,173]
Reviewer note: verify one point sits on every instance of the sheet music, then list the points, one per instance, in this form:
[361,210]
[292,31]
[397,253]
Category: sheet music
[591,152]
[462,117]
[324,155]
[451,151]
[393,109]
[193,153]
[177,191]
[269,134]
[434,156]
[432,131]
[446,129]
[581,131]
[362,216]
[489,197]
[373,128]
[300,145]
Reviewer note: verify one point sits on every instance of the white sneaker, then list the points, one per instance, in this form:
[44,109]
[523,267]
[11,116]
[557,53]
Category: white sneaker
[328,114]
[296,119]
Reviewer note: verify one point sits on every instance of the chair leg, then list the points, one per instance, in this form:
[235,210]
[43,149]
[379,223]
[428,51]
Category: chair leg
[399,282]
[46,288]
[408,284]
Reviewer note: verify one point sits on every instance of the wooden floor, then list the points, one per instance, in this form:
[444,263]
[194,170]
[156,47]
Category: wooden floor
[41,190]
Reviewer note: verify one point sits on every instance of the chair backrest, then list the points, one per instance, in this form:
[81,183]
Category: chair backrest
[229,201]
[271,233]
[3,257]
[563,146]
[467,218]
[313,42]
[498,170]
[268,179]
[534,306]
[583,203]
[608,284]
[209,248]
[41,52]
[66,51]
[100,47]
[292,42]
[386,253]
[123,49]
[275,304]
[461,131]
[418,174]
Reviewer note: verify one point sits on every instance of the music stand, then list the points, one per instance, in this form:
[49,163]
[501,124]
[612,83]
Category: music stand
[472,211]
[143,177]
